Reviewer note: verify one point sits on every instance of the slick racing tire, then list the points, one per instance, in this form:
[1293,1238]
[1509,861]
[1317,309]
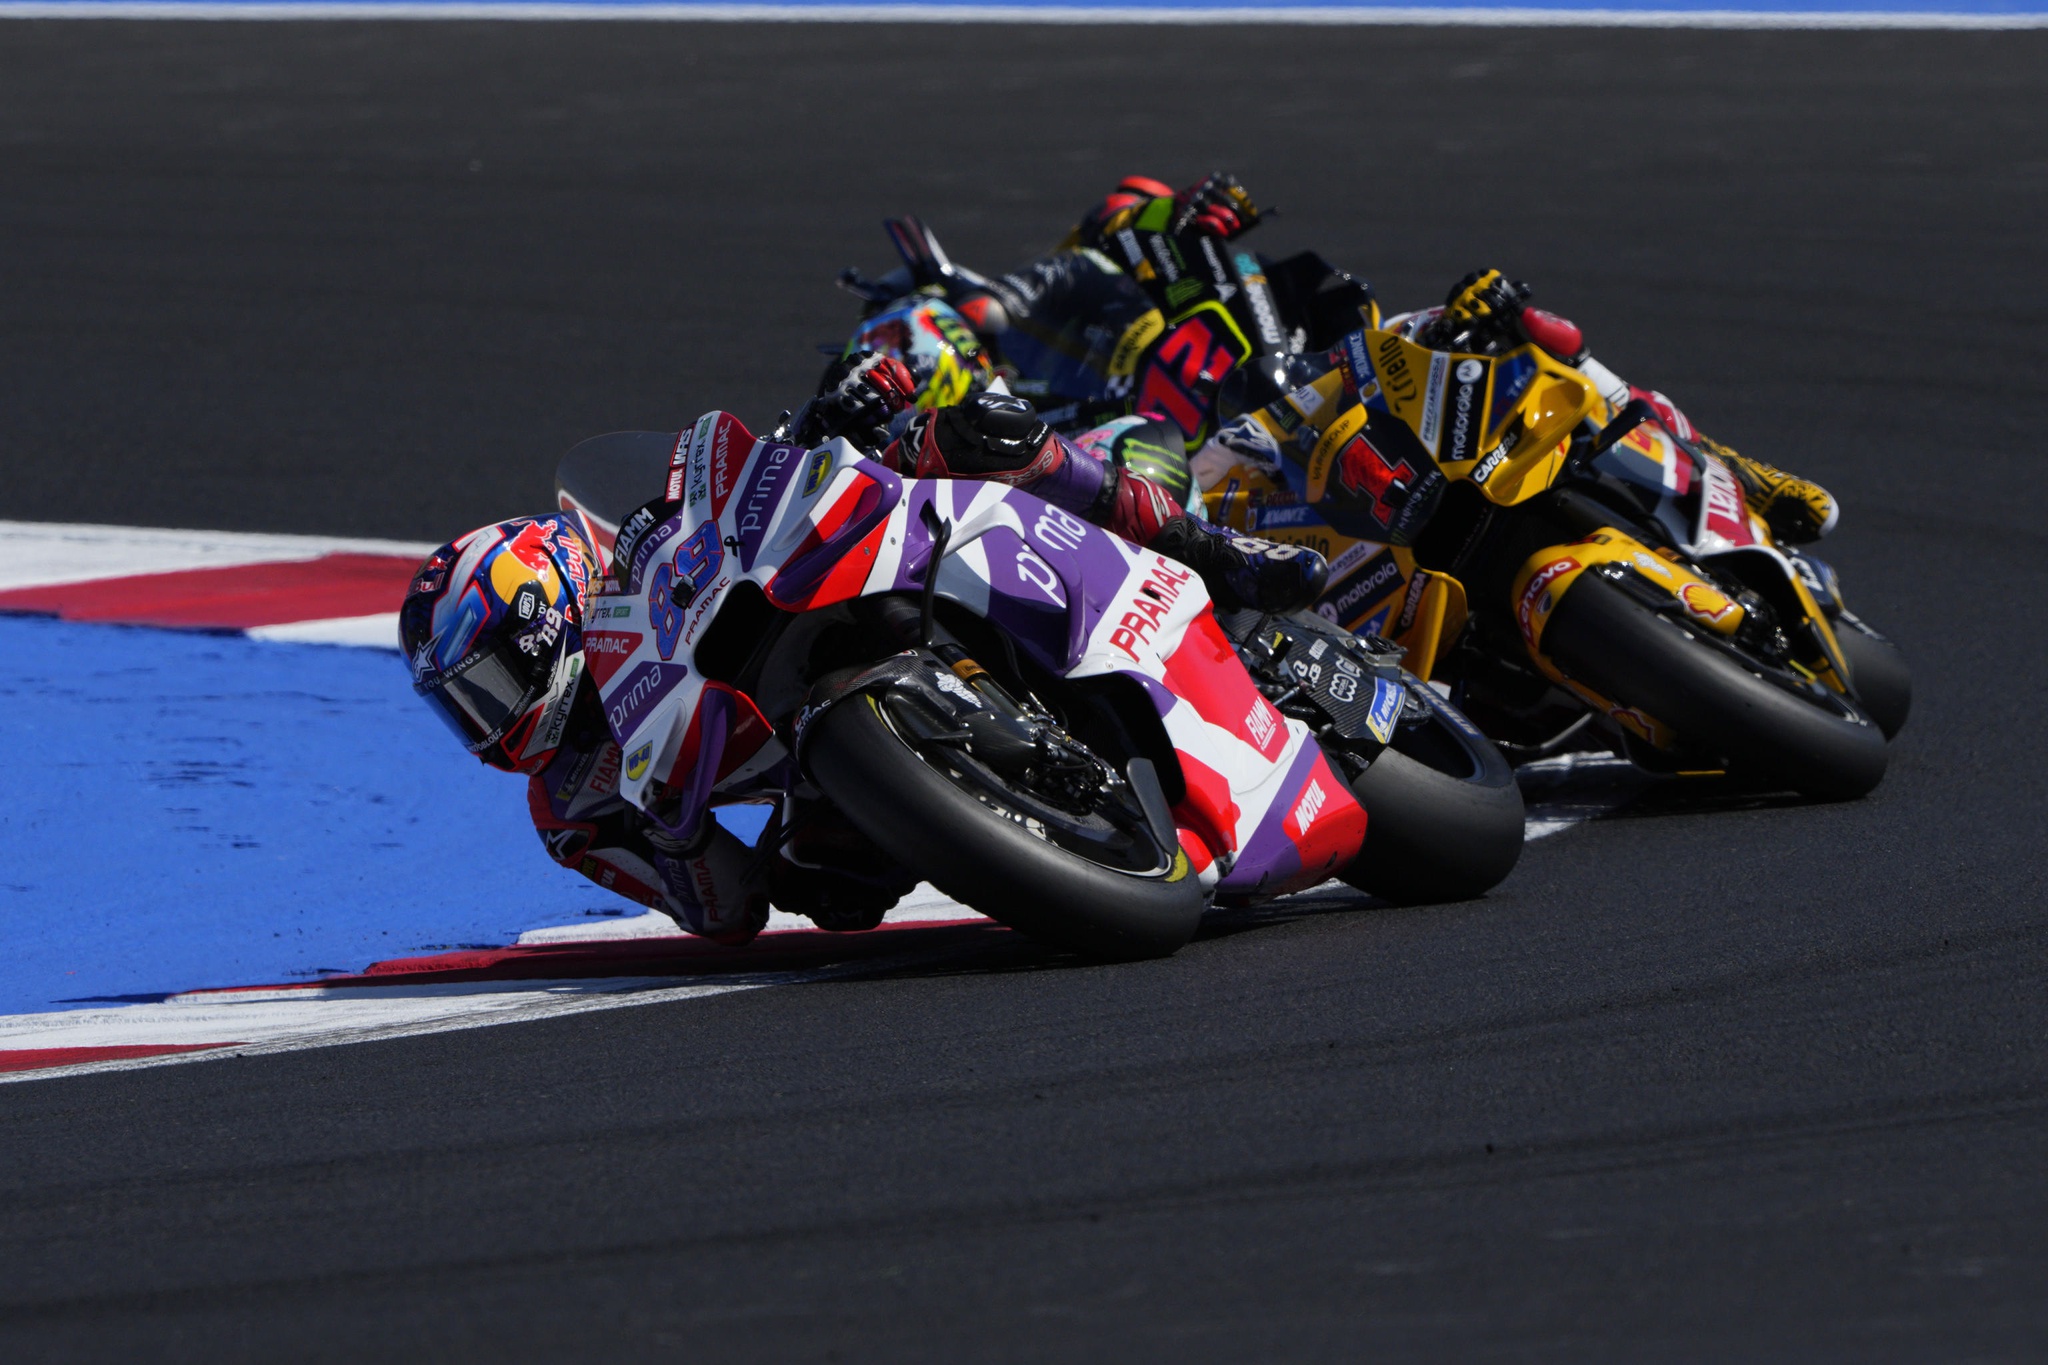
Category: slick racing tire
[1878,673]
[988,860]
[1712,700]
[1444,817]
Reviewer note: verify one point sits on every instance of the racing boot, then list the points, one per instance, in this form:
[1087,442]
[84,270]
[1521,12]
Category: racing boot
[1243,571]
[1797,510]
[714,888]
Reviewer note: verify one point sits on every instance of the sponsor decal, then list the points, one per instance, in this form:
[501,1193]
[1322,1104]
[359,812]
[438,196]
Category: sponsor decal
[724,463]
[1310,805]
[1259,721]
[1218,272]
[608,650]
[566,845]
[639,690]
[1412,603]
[763,495]
[548,734]
[432,577]
[1343,686]
[1356,364]
[1367,475]
[650,545]
[605,779]
[1431,427]
[1374,579]
[1536,596]
[579,770]
[1352,555]
[1387,698]
[699,463]
[1495,458]
[1164,254]
[1721,502]
[1058,529]
[1260,300]
[1271,517]
[1145,608]
[1705,603]
[678,466]
[1396,375]
[1150,326]
[1306,400]
[1511,375]
[950,683]
[1465,417]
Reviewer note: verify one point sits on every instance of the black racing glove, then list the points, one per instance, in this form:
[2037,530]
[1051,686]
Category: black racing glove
[857,396]
[1482,307]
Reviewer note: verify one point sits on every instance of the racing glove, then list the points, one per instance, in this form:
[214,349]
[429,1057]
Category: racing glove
[1170,242]
[1481,307]
[1244,571]
[857,396]
[1217,206]
[1486,305]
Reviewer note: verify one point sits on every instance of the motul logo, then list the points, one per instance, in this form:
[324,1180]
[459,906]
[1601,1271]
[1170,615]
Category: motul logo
[1310,805]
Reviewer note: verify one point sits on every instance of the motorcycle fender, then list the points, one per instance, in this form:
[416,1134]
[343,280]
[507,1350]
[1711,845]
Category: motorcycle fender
[1549,574]
[913,669]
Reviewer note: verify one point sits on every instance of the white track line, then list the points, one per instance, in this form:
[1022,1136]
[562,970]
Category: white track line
[42,554]
[1318,15]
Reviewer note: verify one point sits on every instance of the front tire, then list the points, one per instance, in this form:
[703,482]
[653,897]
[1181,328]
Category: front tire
[988,860]
[1878,673]
[1444,818]
[1623,649]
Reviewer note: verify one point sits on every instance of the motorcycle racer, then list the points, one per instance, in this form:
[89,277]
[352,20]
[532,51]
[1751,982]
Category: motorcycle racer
[1485,309]
[1090,335]
[492,627]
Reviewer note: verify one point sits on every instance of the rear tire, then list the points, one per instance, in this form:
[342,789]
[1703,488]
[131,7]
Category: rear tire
[1879,674]
[1625,650]
[1444,822]
[987,860]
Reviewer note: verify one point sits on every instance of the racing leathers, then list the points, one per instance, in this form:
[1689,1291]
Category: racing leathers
[716,886]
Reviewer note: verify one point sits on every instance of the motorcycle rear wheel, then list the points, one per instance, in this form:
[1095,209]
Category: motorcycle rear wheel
[1444,817]
[1642,658]
[989,860]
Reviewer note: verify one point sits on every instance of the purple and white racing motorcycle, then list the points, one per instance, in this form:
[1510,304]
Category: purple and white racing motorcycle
[1040,718]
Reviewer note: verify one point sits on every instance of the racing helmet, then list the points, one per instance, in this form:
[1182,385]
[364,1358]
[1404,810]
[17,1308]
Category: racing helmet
[939,346]
[492,628]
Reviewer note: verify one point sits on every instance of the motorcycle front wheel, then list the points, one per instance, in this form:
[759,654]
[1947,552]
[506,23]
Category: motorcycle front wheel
[1444,817]
[1819,746]
[929,815]
[1879,674]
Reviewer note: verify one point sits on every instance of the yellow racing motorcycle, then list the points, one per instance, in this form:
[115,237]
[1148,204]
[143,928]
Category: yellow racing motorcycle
[1560,563]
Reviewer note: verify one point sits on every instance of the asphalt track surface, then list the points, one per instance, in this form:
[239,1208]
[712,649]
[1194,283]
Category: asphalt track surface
[1731,1079]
